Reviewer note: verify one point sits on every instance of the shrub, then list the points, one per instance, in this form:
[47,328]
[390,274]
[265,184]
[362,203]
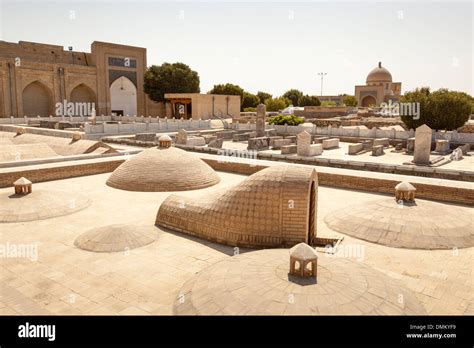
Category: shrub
[290,120]
[349,100]
[440,110]
[276,104]
[250,109]
[309,100]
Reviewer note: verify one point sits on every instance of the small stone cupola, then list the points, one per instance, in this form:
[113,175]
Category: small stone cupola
[164,141]
[305,256]
[22,186]
[405,191]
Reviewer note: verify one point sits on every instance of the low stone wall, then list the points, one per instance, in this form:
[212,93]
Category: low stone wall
[143,125]
[39,131]
[57,171]
[361,183]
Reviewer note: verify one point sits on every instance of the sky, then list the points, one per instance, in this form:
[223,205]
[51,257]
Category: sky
[269,46]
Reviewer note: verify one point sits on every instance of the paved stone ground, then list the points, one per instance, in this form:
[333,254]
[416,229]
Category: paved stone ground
[147,280]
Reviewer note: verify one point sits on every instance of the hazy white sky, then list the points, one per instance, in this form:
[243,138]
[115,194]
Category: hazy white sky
[269,45]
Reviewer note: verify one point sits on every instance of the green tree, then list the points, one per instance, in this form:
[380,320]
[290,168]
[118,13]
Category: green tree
[309,100]
[170,78]
[263,96]
[294,95]
[440,110]
[250,100]
[228,89]
[349,100]
[276,104]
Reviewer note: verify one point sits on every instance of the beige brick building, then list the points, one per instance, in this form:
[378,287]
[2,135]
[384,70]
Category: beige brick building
[379,88]
[35,77]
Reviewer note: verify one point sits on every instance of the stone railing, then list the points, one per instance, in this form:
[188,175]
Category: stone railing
[145,125]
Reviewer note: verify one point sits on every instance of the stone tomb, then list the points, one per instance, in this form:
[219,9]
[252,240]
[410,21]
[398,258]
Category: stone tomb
[382,141]
[422,151]
[216,144]
[260,121]
[289,149]
[305,148]
[258,144]
[377,150]
[330,143]
[278,143]
[354,149]
[442,147]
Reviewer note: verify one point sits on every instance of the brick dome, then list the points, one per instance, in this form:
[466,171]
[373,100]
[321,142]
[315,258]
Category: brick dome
[272,208]
[163,169]
[379,74]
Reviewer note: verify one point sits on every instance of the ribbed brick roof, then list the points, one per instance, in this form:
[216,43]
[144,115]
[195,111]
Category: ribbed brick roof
[268,209]
[161,170]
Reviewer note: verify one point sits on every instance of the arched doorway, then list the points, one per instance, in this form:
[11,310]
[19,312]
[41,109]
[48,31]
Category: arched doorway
[123,97]
[368,101]
[36,99]
[83,98]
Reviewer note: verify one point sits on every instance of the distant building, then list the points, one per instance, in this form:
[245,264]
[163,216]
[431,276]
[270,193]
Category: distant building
[338,99]
[379,88]
[34,77]
[199,106]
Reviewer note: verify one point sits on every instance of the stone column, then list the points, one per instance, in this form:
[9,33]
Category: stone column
[422,150]
[261,118]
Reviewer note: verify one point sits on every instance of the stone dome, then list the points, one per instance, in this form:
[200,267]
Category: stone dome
[274,207]
[258,283]
[379,74]
[119,237]
[40,204]
[420,225]
[162,170]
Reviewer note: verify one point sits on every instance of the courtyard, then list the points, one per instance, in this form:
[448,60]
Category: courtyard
[59,278]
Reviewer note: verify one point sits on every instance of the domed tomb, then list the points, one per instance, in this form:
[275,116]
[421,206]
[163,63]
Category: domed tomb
[274,207]
[162,169]
[258,283]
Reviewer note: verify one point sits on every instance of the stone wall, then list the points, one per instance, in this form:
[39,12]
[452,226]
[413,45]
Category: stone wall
[56,171]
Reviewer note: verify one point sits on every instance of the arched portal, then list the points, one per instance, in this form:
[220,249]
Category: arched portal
[368,101]
[83,98]
[123,97]
[36,98]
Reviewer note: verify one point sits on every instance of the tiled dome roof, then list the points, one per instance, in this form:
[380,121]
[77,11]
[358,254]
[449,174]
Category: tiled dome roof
[161,170]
